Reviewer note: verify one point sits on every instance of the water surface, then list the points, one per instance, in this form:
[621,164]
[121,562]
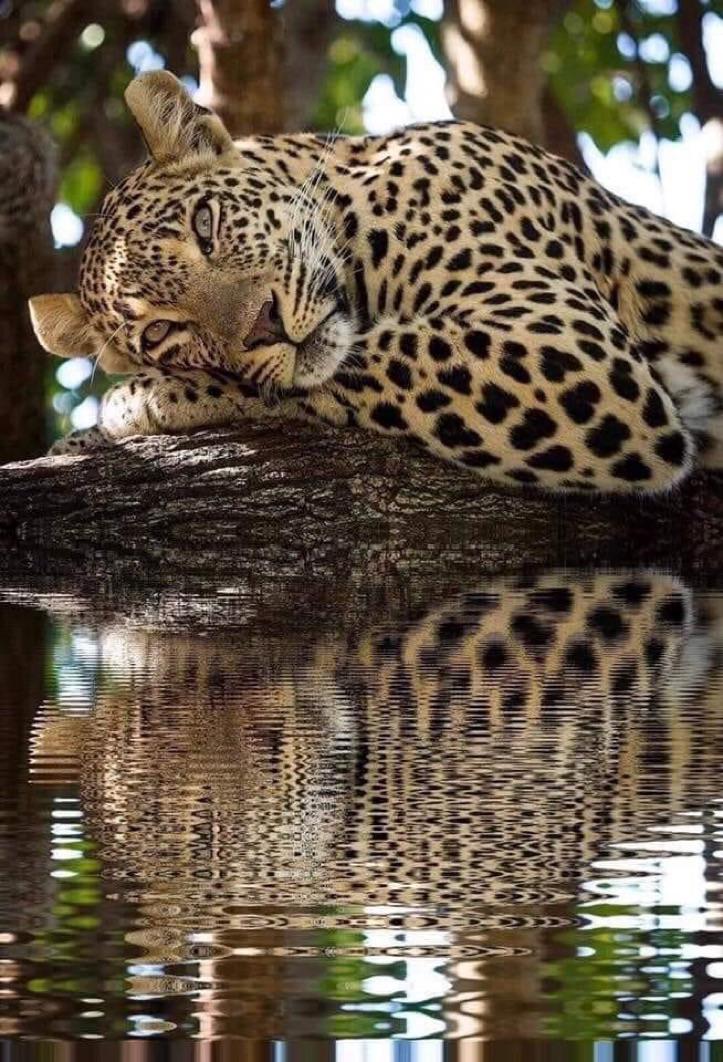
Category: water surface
[498,816]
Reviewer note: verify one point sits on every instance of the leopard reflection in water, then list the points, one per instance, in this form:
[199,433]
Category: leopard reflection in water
[437,788]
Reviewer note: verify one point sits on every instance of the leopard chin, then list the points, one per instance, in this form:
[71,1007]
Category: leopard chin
[324,352]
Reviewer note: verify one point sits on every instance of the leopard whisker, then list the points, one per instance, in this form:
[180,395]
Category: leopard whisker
[103,349]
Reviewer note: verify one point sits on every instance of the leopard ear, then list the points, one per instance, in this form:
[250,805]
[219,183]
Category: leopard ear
[174,128]
[62,326]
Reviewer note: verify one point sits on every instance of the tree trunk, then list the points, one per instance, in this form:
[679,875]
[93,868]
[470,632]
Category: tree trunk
[493,52]
[27,184]
[560,137]
[240,64]
[336,507]
[707,104]
[308,28]
[713,198]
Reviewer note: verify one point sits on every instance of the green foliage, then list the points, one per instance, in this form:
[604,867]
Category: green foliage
[604,84]
[361,51]
[81,182]
[582,62]
[352,67]
[595,996]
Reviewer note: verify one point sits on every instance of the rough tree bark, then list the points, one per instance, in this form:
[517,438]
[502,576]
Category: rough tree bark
[27,186]
[240,64]
[333,506]
[493,51]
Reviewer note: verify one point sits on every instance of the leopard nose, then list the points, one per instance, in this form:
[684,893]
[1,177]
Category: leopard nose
[268,327]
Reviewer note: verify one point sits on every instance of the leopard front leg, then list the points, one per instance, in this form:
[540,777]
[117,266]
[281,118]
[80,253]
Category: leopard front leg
[82,441]
[161,402]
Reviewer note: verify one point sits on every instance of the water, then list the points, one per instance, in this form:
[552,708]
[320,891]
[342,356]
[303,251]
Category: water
[497,815]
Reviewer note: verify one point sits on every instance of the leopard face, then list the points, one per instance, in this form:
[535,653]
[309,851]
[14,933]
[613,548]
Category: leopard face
[207,254]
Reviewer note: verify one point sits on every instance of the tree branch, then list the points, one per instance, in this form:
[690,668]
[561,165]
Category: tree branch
[645,89]
[707,104]
[706,97]
[333,505]
[560,136]
[308,28]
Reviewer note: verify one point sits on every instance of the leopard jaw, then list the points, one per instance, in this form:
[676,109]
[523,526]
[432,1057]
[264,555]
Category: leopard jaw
[325,351]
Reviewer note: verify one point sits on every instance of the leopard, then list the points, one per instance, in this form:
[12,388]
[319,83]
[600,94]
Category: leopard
[448,283]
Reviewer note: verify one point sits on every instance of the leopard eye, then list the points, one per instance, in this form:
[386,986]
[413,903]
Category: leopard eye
[202,222]
[155,333]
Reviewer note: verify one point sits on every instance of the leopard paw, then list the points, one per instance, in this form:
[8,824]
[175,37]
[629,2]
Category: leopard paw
[79,442]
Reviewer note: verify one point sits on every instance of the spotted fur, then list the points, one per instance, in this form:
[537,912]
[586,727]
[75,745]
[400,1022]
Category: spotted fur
[449,283]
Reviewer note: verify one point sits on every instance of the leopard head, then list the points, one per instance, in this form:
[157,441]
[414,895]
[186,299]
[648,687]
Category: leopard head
[211,253]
